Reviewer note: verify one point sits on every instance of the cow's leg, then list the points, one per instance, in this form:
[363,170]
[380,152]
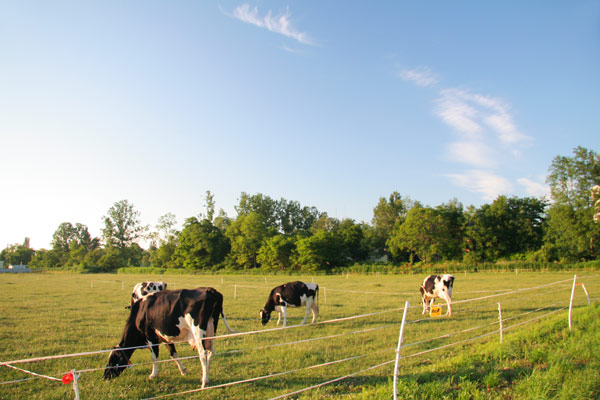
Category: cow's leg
[154,352]
[284,310]
[448,303]
[198,343]
[209,345]
[174,357]
[278,317]
[309,303]
[315,311]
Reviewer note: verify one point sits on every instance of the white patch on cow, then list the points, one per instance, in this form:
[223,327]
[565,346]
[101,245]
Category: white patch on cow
[190,332]
[311,286]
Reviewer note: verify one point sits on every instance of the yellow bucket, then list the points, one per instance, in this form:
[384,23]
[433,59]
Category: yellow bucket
[435,311]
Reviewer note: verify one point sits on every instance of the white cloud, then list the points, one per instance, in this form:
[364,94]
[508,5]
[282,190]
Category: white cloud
[533,188]
[474,153]
[469,112]
[487,183]
[279,24]
[457,113]
[421,76]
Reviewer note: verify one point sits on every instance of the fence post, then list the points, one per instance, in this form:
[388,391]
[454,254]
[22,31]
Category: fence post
[324,295]
[400,338]
[586,294]
[234,292]
[122,285]
[75,385]
[571,302]
[500,319]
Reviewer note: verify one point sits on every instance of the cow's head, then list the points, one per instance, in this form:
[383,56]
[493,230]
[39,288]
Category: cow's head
[117,362]
[265,316]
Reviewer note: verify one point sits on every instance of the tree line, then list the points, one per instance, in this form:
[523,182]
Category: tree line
[283,235]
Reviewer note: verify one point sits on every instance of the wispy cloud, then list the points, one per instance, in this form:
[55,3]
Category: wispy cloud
[471,113]
[533,188]
[421,76]
[487,183]
[280,24]
[473,153]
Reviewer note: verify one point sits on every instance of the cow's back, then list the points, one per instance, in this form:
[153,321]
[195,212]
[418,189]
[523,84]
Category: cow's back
[162,310]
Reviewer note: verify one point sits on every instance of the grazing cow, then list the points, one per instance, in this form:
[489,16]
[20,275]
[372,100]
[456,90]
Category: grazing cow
[293,294]
[167,317]
[435,286]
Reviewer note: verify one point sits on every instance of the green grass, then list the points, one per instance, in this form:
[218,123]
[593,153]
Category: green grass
[49,314]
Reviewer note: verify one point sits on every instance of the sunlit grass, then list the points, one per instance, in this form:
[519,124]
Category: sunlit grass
[50,314]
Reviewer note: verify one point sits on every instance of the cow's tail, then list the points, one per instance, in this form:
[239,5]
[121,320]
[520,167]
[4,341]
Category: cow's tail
[227,325]
[317,296]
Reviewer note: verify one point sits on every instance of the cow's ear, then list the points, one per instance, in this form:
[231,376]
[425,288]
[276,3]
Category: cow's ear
[165,285]
[422,290]
[144,284]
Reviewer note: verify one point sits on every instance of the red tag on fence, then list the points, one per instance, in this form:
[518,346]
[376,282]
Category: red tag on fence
[68,378]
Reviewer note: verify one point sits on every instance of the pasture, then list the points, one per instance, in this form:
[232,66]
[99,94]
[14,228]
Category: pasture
[57,314]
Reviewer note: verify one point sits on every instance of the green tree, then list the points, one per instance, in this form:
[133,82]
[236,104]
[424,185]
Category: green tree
[572,233]
[201,245]
[122,226]
[353,239]
[386,215]
[263,206]
[507,227]
[45,259]
[294,218]
[275,254]
[423,234]
[210,206]
[320,252]
[17,254]
[246,235]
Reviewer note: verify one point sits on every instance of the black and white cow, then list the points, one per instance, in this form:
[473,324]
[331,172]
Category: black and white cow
[167,317]
[435,286]
[291,294]
[145,288]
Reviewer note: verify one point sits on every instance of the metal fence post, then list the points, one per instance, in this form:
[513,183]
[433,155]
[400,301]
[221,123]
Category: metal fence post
[500,320]
[571,302]
[400,338]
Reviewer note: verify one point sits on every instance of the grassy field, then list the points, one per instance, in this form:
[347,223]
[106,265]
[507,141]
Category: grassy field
[53,314]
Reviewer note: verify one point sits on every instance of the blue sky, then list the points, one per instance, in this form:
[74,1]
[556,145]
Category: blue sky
[332,104]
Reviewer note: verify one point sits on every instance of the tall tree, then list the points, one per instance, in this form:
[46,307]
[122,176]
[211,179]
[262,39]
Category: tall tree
[572,178]
[70,244]
[262,205]
[424,234]
[571,233]
[122,226]
[386,214]
[201,245]
[210,206]
[246,234]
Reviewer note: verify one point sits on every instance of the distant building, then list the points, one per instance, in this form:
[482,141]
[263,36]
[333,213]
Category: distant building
[14,268]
